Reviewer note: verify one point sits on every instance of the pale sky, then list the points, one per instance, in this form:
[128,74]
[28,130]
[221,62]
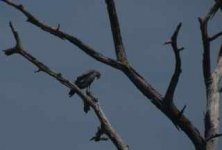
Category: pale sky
[35,110]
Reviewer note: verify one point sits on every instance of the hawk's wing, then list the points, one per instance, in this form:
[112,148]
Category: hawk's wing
[84,75]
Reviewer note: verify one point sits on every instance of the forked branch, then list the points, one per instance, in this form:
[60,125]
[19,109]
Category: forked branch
[107,128]
[172,112]
[212,80]
[57,32]
[168,99]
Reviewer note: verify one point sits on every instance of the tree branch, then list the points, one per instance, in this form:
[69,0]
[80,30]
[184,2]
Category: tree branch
[211,80]
[108,129]
[168,99]
[119,46]
[214,37]
[212,116]
[57,32]
[215,136]
[213,10]
[206,65]
[173,113]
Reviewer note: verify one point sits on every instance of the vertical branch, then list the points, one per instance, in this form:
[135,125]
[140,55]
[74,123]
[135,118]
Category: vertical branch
[211,80]
[212,123]
[206,42]
[168,99]
[206,65]
[119,46]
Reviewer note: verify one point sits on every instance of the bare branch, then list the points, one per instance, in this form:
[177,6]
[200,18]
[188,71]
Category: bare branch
[215,136]
[206,65]
[108,129]
[18,46]
[182,111]
[212,81]
[119,46]
[213,10]
[214,37]
[212,117]
[168,99]
[57,32]
[173,113]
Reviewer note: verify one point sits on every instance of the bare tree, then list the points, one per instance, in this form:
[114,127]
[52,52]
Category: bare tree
[165,103]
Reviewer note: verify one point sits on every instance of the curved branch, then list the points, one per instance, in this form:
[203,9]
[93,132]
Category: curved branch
[168,99]
[107,127]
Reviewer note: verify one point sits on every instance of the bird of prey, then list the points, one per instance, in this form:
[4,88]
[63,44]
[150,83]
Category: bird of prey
[85,80]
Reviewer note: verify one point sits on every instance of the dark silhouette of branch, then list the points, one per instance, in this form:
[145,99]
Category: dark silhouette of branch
[168,99]
[57,32]
[172,112]
[213,10]
[215,136]
[107,128]
[117,38]
[206,65]
[214,37]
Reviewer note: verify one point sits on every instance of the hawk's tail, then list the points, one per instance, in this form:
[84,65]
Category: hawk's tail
[71,93]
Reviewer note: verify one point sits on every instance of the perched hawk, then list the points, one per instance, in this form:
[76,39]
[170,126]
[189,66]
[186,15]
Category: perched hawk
[85,80]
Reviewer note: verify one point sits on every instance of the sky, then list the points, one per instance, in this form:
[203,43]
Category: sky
[35,110]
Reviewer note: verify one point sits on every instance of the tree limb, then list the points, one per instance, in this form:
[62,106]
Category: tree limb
[214,37]
[206,65]
[168,99]
[173,113]
[215,136]
[212,116]
[57,32]
[211,120]
[213,10]
[108,129]
[117,38]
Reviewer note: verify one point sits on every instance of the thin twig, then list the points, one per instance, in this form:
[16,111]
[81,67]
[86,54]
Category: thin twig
[214,37]
[212,137]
